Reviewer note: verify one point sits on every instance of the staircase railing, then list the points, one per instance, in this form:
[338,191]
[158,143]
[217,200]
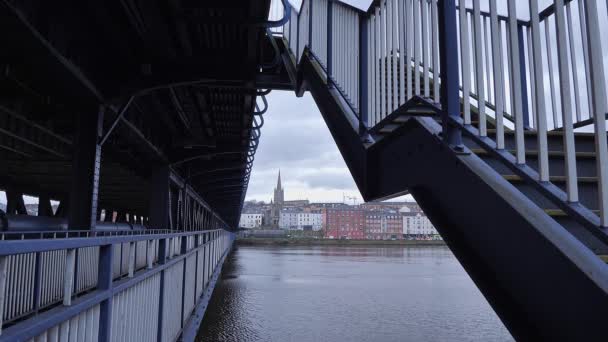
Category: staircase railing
[541,73]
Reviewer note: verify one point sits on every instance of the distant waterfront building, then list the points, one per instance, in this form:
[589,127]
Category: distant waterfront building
[383,226]
[417,225]
[288,219]
[251,220]
[345,223]
[295,203]
[310,221]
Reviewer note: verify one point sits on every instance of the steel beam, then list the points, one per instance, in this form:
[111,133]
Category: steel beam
[85,171]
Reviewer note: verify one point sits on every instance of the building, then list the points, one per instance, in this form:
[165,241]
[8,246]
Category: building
[383,226]
[253,220]
[288,219]
[276,204]
[394,206]
[310,221]
[345,223]
[296,203]
[417,225]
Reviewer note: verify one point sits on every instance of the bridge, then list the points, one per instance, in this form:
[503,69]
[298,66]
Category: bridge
[135,125]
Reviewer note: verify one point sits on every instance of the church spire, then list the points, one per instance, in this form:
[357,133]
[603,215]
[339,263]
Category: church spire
[279,181]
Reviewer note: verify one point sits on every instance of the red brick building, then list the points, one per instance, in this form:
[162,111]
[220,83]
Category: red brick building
[345,223]
[383,226]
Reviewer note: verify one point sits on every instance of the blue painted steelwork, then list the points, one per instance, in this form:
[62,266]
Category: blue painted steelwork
[106,287]
[523,75]
[448,52]
[310,21]
[363,66]
[330,39]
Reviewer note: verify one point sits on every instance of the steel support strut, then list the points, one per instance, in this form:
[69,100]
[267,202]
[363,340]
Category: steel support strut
[85,171]
[450,93]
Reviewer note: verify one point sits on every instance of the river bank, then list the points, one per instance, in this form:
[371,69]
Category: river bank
[333,242]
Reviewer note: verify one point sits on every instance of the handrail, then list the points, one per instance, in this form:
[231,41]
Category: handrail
[282,21]
[11,247]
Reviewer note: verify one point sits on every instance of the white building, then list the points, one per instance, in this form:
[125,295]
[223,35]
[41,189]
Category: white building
[416,225]
[288,220]
[293,220]
[250,221]
[310,221]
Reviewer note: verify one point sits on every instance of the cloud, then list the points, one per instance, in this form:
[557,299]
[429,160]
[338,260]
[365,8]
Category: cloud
[296,140]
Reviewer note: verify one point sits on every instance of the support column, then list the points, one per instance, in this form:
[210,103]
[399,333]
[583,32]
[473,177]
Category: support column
[44,206]
[159,199]
[14,203]
[85,172]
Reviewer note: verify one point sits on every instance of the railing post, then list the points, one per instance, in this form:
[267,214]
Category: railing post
[68,279]
[162,258]
[450,92]
[104,282]
[149,255]
[330,64]
[37,281]
[3,277]
[131,270]
[363,82]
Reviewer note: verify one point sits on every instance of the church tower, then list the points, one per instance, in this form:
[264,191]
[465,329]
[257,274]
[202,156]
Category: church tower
[277,205]
[278,192]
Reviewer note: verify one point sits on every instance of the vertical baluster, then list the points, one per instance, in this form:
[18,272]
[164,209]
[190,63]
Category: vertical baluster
[424,23]
[486,45]
[516,85]
[389,57]
[383,60]
[532,77]
[501,52]
[599,105]
[357,57]
[479,74]
[566,103]
[582,21]
[410,46]
[394,57]
[577,95]
[435,50]
[68,280]
[370,70]
[539,90]
[465,60]
[377,96]
[416,42]
[551,77]
[401,51]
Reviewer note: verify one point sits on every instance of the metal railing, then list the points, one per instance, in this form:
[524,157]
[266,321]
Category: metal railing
[538,74]
[112,287]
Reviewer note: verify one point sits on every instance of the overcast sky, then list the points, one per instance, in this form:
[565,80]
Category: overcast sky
[296,140]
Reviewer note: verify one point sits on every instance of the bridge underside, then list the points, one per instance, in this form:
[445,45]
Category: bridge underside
[155,85]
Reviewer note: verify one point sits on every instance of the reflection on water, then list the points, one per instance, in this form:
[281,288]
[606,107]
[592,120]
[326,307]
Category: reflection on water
[348,294]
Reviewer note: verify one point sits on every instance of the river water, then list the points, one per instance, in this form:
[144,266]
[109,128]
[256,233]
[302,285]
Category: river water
[337,294]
